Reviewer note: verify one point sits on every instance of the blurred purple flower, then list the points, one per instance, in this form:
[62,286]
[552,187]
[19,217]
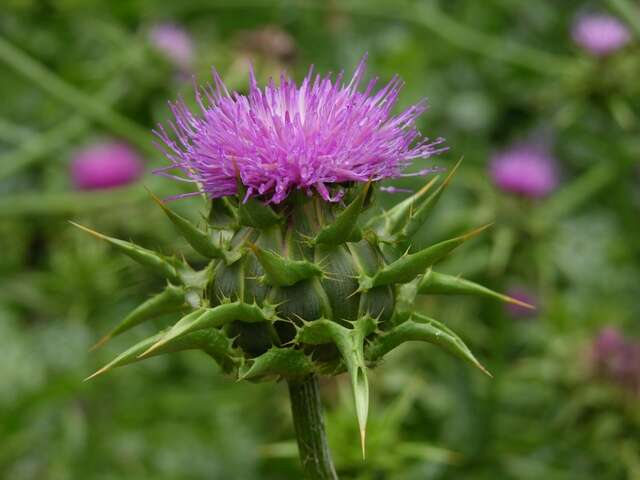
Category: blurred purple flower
[287,137]
[607,344]
[617,358]
[524,295]
[524,169]
[174,42]
[105,165]
[600,34]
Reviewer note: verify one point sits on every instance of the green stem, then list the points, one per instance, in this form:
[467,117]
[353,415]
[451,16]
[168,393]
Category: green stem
[85,104]
[430,17]
[576,194]
[73,203]
[309,424]
[41,145]
[13,134]
[46,144]
[629,11]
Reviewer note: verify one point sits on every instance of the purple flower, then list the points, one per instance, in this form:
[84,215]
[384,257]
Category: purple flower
[524,295]
[524,169]
[600,34]
[617,358]
[105,165]
[283,137]
[607,345]
[174,42]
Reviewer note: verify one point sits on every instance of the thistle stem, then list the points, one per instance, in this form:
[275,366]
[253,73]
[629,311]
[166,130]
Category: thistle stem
[309,425]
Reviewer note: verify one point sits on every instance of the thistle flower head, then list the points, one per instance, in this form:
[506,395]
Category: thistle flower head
[174,42]
[311,286]
[524,169]
[105,165]
[600,34]
[286,136]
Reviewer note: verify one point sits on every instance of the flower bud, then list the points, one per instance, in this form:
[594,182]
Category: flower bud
[524,169]
[600,34]
[173,42]
[105,165]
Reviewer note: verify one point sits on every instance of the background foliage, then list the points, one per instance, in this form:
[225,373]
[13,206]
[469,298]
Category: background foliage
[496,72]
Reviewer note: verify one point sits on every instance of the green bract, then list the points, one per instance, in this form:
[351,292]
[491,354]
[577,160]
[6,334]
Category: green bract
[300,288]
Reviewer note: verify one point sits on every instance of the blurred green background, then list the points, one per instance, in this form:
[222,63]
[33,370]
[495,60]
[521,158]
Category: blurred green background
[496,72]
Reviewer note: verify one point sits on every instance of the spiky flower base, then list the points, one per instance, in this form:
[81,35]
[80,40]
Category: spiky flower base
[300,288]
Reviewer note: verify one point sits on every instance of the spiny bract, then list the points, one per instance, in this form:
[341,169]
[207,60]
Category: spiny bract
[302,285]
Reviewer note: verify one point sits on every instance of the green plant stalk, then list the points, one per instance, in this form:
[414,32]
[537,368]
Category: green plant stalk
[629,11]
[85,104]
[308,421]
[40,146]
[574,195]
[12,133]
[72,203]
[431,17]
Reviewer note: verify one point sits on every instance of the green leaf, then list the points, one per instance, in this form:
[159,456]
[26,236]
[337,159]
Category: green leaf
[442,284]
[423,209]
[202,242]
[281,362]
[394,219]
[162,266]
[424,329]
[223,215]
[405,301]
[207,341]
[214,318]
[409,266]
[172,299]
[254,213]
[350,344]
[283,272]
[344,228]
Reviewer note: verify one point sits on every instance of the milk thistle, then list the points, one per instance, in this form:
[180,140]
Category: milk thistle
[175,43]
[105,165]
[600,34]
[298,284]
[525,169]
